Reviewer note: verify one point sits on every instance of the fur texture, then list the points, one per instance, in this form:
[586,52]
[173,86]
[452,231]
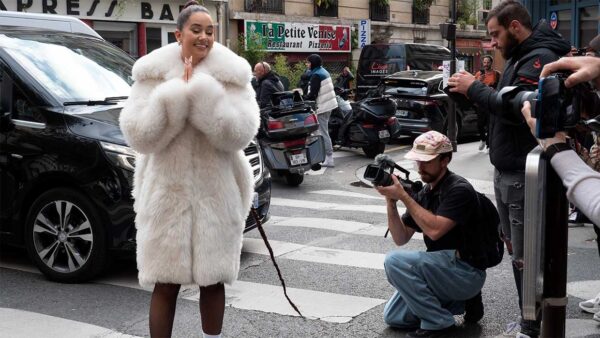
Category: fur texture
[192,184]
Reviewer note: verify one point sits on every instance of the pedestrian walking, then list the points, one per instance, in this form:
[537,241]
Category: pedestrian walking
[190,114]
[268,83]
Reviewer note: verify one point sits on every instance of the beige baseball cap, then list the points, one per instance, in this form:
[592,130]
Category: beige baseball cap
[428,146]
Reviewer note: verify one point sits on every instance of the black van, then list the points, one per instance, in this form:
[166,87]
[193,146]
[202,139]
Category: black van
[65,168]
[379,60]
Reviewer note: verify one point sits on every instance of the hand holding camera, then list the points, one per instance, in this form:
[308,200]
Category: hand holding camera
[381,174]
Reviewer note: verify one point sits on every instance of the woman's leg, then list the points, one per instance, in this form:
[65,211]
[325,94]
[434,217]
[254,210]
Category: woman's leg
[212,308]
[162,309]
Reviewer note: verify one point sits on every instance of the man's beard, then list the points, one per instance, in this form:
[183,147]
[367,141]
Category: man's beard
[428,177]
[511,44]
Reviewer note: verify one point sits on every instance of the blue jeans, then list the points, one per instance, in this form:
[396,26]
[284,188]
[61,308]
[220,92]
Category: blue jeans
[431,287]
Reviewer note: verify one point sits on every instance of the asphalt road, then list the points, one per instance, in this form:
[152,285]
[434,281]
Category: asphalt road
[328,238]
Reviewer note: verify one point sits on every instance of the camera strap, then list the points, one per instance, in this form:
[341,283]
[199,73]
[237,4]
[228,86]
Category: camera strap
[264,237]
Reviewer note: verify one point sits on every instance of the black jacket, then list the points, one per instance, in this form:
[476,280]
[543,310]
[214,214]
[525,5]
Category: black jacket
[266,86]
[510,137]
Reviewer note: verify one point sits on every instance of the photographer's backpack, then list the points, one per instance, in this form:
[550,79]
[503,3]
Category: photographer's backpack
[483,245]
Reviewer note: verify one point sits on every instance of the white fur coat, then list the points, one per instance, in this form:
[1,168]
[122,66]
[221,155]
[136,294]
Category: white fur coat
[192,184]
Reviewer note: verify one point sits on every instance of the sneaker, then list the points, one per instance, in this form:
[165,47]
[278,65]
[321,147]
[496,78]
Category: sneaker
[521,335]
[481,145]
[596,316]
[512,328]
[474,309]
[421,333]
[592,305]
[328,161]
[459,320]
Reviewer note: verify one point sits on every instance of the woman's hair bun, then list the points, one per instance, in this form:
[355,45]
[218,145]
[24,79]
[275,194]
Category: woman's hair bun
[191,3]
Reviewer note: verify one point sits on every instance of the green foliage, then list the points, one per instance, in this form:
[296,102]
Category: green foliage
[422,5]
[254,53]
[324,3]
[291,71]
[354,38]
[468,11]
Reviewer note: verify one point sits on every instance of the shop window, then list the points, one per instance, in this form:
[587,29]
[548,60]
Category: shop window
[564,24]
[559,2]
[588,24]
[171,37]
[153,38]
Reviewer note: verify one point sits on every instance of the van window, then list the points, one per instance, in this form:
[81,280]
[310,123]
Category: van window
[71,68]
[383,52]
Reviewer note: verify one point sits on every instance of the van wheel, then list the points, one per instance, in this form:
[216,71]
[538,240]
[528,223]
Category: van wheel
[64,236]
[373,150]
[294,180]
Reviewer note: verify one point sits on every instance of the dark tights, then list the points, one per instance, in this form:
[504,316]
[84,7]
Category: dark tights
[164,300]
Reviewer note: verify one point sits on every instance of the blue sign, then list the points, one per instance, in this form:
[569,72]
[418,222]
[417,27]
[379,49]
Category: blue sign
[364,33]
[553,20]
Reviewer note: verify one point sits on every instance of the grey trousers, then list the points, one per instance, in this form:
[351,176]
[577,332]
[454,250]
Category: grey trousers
[324,131]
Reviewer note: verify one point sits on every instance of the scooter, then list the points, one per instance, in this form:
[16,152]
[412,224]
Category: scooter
[368,124]
[288,146]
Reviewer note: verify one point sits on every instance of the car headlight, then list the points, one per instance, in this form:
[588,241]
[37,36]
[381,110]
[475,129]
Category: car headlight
[119,155]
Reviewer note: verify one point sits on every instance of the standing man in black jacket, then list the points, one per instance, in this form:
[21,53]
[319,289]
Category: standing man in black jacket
[526,50]
[268,83]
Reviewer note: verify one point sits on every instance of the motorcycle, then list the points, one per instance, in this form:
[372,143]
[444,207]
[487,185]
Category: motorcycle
[368,124]
[288,147]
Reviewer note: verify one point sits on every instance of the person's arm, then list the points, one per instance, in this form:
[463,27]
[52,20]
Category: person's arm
[582,183]
[313,88]
[228,116]
[401,233]
[434,226]
[154,114]
[584,68]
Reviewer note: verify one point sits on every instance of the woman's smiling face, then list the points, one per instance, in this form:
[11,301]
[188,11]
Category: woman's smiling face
[197,36]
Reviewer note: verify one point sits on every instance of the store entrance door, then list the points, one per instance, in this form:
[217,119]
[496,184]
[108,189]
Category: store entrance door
[120,34]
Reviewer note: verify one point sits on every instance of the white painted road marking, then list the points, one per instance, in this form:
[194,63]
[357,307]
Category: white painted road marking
[326,306]
[25,324]
[349,227]
[315,254]
[326,206]
[346,194]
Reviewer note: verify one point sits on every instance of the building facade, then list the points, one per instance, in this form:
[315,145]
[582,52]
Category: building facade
[396,21]
[137,27]
[578,21]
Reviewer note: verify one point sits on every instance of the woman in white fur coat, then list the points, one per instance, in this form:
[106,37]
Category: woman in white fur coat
[190,114]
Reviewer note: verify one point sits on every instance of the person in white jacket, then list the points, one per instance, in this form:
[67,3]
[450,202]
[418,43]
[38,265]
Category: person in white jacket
[190,114]
[581,181]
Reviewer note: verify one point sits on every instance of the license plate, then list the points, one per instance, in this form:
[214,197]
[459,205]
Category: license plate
[296,159]
[402,113]
[255,201]
[384,133]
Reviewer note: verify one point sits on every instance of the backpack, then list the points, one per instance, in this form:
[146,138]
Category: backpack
[482,245]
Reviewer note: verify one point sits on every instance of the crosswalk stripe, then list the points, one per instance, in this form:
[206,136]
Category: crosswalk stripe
[326,306]
[346,153]
[349,227]
[345,194]
[314,254]
[326,206]
[19,323]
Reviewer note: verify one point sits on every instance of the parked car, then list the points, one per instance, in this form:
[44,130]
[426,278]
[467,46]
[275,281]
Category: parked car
[377,61]
[423,106]
[65,168]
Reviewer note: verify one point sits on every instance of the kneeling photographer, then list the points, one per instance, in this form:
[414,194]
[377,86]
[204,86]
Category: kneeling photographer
[433,286]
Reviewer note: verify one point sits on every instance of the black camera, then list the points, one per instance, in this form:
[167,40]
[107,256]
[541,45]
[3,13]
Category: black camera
[380,174]
[556,107]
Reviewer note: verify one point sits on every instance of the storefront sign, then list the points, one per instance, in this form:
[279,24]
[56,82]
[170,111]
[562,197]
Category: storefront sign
[553,20]
[116,10]
[297,37]
[364,33]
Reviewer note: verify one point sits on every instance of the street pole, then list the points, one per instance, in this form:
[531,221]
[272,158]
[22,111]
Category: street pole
[555,261]
[452,108]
